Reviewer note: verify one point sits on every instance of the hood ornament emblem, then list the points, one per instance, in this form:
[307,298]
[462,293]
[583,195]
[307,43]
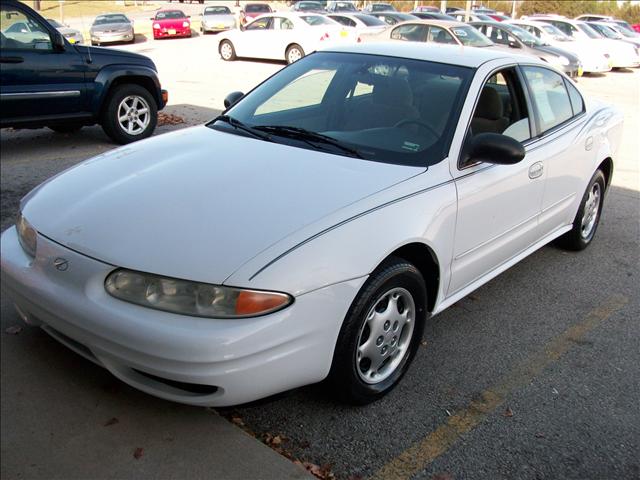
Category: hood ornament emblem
[61,264]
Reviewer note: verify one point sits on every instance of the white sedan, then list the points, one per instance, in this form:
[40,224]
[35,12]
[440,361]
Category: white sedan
[283,36]
[594,60]
[311,230]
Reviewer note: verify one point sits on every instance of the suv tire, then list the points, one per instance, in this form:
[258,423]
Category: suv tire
[137,105]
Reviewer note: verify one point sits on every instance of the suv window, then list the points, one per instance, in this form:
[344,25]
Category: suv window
[22,32]
[550,97]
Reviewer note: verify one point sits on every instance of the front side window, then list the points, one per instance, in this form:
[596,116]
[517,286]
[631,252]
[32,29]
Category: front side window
[502,108]
[260,24]
[550,97]
[21,31]
[384,109]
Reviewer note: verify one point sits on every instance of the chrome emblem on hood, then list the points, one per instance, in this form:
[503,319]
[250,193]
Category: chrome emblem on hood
[61,264]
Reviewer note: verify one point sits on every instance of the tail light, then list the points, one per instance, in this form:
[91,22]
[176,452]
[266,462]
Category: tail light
[324,37]
[359,40]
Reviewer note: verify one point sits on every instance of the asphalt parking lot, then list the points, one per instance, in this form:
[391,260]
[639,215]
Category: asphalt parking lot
[535,375]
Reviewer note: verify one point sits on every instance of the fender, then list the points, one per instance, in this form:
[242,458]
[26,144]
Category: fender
[107,75]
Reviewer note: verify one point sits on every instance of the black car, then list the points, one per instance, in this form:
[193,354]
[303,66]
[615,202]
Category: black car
[45,81]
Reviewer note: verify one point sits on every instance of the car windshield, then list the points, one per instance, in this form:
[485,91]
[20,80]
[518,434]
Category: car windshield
[345,7]
[370,107]
[217,11]
[257,8]
[370,20]
[470,37]
[525,37]
[484,18]
[314,20]
[170,14]
[382,7]
[590,32]
[106,19]
[606,31]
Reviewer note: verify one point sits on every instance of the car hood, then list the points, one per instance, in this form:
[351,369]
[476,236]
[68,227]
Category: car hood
[558,52]
[111,27]
[218,18]
[172,22]
[198,203]
[68,31]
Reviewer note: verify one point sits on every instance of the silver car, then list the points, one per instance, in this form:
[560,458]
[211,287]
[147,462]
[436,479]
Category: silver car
[217,19]
[71,34]
[110,28]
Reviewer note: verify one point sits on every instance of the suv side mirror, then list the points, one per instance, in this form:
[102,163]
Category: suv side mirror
[58,41]
[231,99]
[495,148]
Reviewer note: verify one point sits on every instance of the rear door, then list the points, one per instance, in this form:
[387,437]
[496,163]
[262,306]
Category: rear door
[37,81]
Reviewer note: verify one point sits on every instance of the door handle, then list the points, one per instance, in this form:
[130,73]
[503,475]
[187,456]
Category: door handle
[11,59]
[536,170]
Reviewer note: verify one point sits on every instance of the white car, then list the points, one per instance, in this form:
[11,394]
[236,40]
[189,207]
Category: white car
[621,55]
[283,36]
[361,23]
[594,60]
[311,230]
[613,32]
[217,18]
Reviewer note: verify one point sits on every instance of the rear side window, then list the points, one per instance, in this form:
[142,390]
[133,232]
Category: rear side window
[577,104]
[550,97]
[410,32]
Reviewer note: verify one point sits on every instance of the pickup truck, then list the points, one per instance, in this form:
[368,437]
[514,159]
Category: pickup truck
[45,81]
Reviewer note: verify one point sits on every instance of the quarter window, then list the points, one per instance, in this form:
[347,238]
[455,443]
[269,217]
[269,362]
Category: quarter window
[577,104]
[550,97]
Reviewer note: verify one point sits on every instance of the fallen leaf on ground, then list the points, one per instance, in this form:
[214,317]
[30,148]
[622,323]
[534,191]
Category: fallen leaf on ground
[138,452]
[539,435]
[442,476]
[277,440]
[508,412]
[13,330]
[237,420]
[111,421]
[169,119]
[423,343]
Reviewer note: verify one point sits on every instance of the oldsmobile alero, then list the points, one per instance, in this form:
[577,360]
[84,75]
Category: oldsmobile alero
[310,231]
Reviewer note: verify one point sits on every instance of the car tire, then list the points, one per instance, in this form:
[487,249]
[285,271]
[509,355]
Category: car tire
[129,99]
[65,128]
[227,52]
[294,53]
[587,219]
[394,289]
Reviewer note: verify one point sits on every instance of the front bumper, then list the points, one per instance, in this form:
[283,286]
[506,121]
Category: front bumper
[112,37]
[216,27]
[170,32]
[191,360]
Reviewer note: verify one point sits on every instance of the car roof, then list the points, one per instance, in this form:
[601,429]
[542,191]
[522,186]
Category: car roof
[450,54]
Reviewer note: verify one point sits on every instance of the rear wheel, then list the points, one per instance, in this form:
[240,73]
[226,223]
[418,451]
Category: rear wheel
[294,53]
[130,114]
[227,52]
[380,334]
[588,217]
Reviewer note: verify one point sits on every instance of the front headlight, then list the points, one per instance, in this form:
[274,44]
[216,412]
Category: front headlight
[185,24]
[27,235]
[192,298]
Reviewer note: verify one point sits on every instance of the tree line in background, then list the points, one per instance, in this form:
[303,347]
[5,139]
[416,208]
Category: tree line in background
[625,11]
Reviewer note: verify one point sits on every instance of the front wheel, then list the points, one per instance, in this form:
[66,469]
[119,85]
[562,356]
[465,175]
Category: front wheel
[227,52]
[380,334]
[294,53]
[130,114]
[587,219]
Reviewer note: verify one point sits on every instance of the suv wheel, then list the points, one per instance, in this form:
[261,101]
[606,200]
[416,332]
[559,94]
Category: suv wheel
[130,114]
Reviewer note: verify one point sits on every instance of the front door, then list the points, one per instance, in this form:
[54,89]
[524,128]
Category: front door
[36,79]
[498,205]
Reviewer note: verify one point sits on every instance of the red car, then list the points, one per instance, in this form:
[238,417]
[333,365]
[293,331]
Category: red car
[636,27]
[499,18]
[253,10]
[171,23]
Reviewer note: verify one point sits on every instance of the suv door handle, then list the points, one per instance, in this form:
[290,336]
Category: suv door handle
[11,59]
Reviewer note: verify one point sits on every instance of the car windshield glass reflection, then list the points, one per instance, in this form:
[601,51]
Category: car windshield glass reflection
[386,109]
[470,37]
[106,19]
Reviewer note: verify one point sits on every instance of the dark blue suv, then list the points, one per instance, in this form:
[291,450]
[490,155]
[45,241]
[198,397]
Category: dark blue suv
[45,81]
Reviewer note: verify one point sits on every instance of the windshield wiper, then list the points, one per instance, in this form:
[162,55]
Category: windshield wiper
[308,137]
[238,125]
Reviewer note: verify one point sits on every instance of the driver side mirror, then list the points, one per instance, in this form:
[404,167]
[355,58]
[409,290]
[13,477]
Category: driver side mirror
[494,148]
[514,44]
[231,99]
[58,41]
